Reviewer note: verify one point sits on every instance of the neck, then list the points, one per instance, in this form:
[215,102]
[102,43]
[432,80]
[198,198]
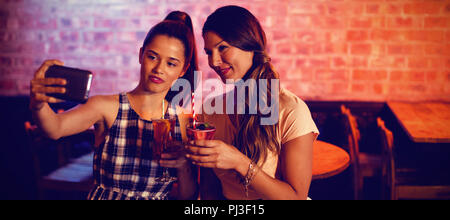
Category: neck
[148,105]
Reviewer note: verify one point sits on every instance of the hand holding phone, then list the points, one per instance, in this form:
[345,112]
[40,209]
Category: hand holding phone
[78,83]
[40,85]
[47,89]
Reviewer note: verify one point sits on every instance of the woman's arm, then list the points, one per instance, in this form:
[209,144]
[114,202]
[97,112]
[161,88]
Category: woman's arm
[187,179]
[65,124]
[186,173]
[296,166]
[70,122]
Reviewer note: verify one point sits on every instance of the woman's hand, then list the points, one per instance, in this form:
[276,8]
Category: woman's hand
[175,158]
[41,85]
[217,154]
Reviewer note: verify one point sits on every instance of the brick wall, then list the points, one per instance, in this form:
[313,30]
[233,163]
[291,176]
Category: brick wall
[368,50]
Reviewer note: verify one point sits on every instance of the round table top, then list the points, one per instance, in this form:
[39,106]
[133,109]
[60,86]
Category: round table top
[328,160]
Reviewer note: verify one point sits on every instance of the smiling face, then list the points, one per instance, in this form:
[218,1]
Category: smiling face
[228,61]
[162,62]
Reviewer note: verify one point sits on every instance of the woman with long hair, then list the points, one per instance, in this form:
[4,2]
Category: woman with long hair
[250,159]
[124,167]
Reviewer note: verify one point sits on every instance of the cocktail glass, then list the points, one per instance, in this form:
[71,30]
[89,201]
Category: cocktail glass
[163,138]
[201,131]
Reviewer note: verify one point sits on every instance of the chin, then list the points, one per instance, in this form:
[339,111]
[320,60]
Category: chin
[150,87]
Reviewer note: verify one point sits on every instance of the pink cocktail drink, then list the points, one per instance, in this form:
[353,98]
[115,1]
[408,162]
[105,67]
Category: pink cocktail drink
[201,131]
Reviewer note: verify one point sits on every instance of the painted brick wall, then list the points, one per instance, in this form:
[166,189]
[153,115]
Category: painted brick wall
[368,50]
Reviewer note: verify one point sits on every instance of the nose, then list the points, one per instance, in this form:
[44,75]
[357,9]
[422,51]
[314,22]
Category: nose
[215,59]
[158,68]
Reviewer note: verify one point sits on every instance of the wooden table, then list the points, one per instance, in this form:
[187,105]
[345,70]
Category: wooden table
[328,160]
[424,122]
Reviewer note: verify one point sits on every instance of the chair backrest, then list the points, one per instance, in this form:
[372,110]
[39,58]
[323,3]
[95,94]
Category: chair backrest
[353,136]
[39,143]
[388,170]
[352,133]
[72,172]
[33,137]
[37,140]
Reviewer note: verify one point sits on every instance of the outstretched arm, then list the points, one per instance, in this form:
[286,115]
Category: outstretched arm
[68,123]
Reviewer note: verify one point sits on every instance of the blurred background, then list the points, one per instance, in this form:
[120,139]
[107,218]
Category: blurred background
[362,53]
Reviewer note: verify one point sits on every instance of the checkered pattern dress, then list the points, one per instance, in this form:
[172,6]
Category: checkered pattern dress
[123,165]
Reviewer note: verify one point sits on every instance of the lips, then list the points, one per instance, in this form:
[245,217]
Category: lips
[224,71]
[156,79]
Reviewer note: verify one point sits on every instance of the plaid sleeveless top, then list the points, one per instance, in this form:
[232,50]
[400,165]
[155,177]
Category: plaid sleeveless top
[123,165]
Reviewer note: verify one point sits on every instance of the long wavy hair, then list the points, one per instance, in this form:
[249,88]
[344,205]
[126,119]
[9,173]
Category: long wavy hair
[241,29]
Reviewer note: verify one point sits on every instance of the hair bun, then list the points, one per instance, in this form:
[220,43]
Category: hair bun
[180,16]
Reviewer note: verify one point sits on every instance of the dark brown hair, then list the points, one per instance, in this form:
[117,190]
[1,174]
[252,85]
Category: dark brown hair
[186,19]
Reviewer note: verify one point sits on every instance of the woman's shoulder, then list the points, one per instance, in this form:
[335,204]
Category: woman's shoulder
[289,101]
[105,105]
[295,117]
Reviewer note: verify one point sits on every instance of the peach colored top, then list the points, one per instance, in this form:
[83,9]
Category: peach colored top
[294,120]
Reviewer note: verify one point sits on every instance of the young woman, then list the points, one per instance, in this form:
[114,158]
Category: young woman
[250,160]
[123,164]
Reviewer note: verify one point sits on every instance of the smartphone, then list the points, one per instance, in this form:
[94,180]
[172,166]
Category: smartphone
[78,83]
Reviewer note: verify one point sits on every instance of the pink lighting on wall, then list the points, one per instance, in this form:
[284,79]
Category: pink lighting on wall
[324,50]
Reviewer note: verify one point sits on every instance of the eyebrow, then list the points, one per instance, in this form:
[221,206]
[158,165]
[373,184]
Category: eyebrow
[219,43]
[171,58]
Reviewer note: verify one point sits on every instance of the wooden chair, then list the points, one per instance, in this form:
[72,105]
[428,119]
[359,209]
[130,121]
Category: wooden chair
[71,175]
[388,169]
[363,164]
[403,184]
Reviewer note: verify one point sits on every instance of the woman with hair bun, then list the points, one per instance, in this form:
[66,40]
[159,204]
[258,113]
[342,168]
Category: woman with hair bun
[123,165]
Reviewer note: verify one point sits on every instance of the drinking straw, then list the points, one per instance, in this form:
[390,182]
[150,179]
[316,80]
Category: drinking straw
[193,110]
